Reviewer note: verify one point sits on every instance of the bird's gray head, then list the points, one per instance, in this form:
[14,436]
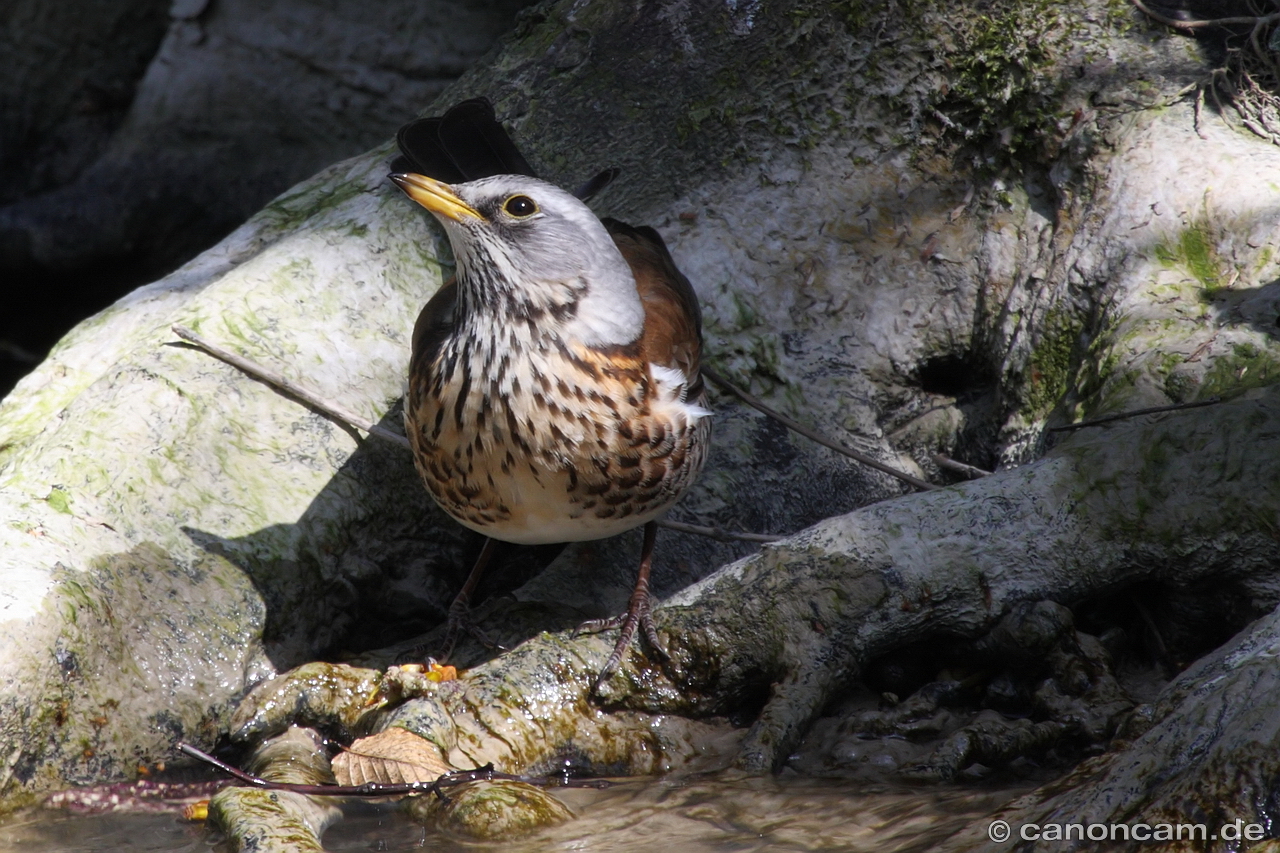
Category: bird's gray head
[528,248]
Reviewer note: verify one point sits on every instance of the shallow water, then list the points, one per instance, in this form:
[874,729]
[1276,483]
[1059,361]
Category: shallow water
[714,815]
[53,831]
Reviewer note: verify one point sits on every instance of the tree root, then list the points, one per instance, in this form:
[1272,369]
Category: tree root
[979,566]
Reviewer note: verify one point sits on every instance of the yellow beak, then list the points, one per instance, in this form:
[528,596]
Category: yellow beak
[437,197]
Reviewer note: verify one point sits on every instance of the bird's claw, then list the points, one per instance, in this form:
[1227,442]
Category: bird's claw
[637,618]
[460,622]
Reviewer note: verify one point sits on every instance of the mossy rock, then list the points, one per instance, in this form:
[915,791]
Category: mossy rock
[492,811]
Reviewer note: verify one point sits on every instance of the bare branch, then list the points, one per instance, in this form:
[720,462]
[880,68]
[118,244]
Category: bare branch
[385,789]
[718,533]
[950,464]
[795,426]
[286,385]
[1136,413]
[1253,20]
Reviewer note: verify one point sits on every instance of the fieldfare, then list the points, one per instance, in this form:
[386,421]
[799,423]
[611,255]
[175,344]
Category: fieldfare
[554,390]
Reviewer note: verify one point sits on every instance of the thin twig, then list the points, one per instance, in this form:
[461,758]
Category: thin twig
[970,471]
[1136,413]
[17,353]
[1161,650]
[389,789]
[1199,109]
[288,386]
[344,416]
[368,789]
[717,533]
[1254,20]
[755,403]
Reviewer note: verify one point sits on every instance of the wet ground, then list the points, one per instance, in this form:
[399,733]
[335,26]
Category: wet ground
[712,815]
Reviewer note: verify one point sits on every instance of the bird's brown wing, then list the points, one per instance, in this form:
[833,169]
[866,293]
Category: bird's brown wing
[434,324]
[673,320]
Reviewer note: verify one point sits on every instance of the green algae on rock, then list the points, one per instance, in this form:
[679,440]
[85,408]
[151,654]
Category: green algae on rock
[491,811]
[268,821]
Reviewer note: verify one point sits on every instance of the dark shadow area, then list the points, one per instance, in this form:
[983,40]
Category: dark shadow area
[1026,701]
[72,75]
[39,306]
[963,390]
[958,375]
[1046,687]
[1256,307]
[779,503]
[1160,624]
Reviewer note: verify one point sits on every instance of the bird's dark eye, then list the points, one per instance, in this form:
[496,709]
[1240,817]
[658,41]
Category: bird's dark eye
[520,206]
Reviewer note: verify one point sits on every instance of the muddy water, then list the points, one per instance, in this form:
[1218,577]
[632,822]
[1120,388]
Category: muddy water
[717,814]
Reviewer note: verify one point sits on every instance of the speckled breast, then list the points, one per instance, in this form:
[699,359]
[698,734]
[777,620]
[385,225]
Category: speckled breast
[566,444]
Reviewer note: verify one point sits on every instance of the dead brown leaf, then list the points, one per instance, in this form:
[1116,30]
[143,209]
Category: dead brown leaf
[395,756]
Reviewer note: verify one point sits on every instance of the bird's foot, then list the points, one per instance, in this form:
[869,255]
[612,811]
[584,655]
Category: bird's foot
[460,623]
[637,618]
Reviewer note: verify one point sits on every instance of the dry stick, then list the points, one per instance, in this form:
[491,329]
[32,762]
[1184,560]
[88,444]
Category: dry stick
[1162,651]
[717,533]
[289,387]
[1136,413]
[274,379]
[970,471]
[1206,22]
[392,789]
[755,403]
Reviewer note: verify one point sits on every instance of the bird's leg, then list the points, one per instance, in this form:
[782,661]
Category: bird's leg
[637,617]
[459,619]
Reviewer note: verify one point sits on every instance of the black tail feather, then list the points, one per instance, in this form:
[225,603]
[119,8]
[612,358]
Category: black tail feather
[465,144]
[478,144]
[597,183]
[419,141]
[468,143]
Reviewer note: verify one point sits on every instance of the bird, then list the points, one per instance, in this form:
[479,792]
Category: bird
[554,392]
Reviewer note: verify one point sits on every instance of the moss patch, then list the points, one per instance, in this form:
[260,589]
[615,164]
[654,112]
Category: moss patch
[1248,366]
[1052,364]
[1000,90]
[1195,250]
[59,499]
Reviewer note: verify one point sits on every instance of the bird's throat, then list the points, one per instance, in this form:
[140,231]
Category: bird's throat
[576,311]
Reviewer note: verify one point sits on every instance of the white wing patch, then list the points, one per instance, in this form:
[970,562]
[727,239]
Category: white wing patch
[673,387]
